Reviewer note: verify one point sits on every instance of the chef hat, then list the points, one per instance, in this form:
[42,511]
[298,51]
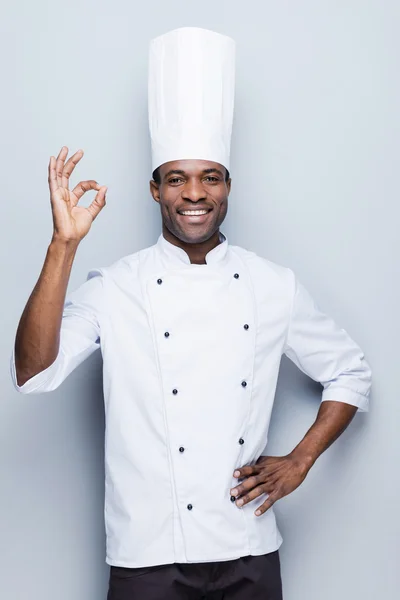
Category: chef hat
[191,95]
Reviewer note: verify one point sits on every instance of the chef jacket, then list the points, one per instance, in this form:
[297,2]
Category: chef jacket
[191,355]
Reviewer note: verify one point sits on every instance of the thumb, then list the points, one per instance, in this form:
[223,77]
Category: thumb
[98,203]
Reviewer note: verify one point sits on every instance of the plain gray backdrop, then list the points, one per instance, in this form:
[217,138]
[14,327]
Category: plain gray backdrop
[315,168]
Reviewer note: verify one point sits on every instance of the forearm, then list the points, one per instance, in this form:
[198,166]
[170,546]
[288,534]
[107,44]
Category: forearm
[38,333]
[332,419]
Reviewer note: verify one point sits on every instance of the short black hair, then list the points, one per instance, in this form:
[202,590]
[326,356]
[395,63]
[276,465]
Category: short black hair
[157,177]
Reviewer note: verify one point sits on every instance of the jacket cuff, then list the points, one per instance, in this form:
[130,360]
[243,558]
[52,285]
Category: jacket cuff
[342,394]
[34,383]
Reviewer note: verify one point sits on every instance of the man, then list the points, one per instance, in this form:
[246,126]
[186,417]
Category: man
[192,331]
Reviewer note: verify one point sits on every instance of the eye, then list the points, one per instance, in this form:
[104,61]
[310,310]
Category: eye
[212,178]
[175,180]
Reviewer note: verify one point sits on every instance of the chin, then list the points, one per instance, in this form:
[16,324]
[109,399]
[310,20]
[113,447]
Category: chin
[195,237]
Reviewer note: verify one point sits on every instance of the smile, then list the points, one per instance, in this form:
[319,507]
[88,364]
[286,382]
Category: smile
[190,213]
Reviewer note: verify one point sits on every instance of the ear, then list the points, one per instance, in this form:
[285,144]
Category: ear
[155,190]
[228,185]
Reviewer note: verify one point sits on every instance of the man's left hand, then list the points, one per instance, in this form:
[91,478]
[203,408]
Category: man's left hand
[277,476]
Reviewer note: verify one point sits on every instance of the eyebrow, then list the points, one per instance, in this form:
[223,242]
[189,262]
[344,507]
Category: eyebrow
[174,172]
[180,172]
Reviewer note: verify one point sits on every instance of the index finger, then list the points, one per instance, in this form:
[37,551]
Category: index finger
[245,471]
[81,188]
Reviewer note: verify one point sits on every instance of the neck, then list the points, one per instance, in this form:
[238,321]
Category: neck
[196,252]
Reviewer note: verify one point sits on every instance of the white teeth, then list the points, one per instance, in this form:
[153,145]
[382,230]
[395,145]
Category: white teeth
[194,212]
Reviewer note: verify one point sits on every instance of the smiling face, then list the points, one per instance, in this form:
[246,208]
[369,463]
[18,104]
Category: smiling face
[193,198]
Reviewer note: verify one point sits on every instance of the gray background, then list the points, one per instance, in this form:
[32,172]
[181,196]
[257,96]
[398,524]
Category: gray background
[315,170]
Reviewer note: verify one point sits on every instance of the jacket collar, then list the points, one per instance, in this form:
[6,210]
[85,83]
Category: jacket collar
[178,256]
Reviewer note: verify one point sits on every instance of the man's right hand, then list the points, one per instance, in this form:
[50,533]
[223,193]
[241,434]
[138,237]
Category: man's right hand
[71,222]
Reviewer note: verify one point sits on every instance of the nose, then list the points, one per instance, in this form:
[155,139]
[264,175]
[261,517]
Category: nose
[194,191]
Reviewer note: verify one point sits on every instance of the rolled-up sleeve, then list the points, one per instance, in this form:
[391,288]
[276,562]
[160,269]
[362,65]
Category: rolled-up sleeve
[79,336]
[326,353]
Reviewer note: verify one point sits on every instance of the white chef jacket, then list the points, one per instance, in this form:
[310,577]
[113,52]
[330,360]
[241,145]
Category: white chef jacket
[191,355]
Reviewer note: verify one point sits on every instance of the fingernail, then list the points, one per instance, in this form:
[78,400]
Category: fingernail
[257,513]
[234,492]
[239,502]
[236,474]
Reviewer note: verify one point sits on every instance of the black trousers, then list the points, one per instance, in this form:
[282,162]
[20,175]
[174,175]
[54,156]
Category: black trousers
[245,578]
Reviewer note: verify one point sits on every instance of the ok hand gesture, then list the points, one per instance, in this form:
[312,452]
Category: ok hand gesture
[71,222]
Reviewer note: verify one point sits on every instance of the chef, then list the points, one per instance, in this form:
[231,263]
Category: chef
[191,331]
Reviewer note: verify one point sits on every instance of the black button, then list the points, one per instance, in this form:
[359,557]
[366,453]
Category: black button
[236,275]
[241,441]
[233,498]
[189,506]
[159,281]
[166,334]
[181,449]
[246,326]
[244,383]
[175,392]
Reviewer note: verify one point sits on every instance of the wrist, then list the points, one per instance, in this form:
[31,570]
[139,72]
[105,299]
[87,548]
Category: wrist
[303,457]
[61,254]
[62,244]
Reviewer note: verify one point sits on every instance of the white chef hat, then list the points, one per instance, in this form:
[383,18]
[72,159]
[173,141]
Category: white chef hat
[191,95]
